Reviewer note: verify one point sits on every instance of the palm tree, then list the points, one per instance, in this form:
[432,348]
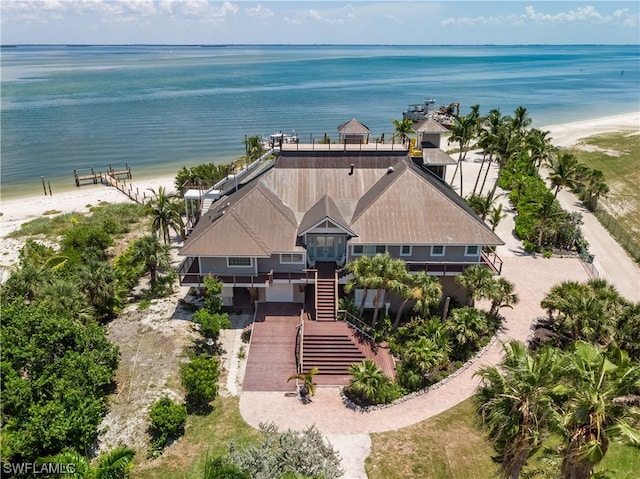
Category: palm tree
[369,382]
[581,314]
[493,124]
[481,204]
[100,286]
[115,464]
[165,213]
[562,171]
[520,120]
[593,413]
[218,468]
[308,386]
[153,255]
[516,406]
[65,297]
[594,187]
[463,131]
[465,326]
[501,295]
[402,129]
[253,147]
[540,147]
[422,288]
[476,279]
[385,274]
[496,216]
[360,269]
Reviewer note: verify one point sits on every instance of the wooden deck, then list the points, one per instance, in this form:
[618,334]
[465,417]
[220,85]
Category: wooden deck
[332,347]
[271,358]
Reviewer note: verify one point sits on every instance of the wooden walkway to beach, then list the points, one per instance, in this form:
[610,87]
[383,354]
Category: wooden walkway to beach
[116,178]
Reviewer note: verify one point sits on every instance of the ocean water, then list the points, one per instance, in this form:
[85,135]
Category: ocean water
[158,108]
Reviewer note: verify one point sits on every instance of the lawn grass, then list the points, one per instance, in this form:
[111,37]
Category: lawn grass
[447,446]
[452,445]
[617,156]
[205,436]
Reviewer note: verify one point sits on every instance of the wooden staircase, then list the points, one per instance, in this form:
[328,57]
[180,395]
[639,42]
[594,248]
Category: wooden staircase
[331,348]
[326,292]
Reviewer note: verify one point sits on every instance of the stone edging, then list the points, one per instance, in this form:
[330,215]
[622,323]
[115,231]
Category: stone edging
[351,405]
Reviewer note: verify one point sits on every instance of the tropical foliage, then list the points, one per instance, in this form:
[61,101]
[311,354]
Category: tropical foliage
[200,380]
[289,454]
[577,384]
[370,385]
[166,211]
[56,372]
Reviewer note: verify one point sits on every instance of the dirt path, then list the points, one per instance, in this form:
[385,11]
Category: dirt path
[152,346]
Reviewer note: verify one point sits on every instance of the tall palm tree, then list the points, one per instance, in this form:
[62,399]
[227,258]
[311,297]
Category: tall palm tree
[402,129]
[541,150]
[166,214]
[477,280]
[494,123]
[153,255]
[594,187]
[592,412]
[422,288]
[462,132]
[386,274]
[360,269]
[516,406]
[562,171]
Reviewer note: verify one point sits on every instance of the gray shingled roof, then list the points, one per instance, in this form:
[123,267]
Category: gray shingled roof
[404,205]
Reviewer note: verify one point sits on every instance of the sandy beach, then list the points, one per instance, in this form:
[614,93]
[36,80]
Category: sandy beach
[15,212]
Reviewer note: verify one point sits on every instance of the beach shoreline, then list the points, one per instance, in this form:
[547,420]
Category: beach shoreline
[16,211]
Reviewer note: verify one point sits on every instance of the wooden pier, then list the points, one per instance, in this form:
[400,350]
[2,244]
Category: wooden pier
[116,178]
[99,176]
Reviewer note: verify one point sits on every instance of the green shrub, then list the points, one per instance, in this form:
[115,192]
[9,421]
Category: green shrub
[211,323]
[200,379]
[289,454]
[167,421]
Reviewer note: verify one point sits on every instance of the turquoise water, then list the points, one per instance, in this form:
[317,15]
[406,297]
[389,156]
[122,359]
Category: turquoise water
[159,108]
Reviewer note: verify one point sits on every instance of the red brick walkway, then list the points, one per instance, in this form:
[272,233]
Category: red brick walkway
[271,358]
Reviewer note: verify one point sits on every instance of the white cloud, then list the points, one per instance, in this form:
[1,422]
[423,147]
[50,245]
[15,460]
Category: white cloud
[259,11]
[583,15]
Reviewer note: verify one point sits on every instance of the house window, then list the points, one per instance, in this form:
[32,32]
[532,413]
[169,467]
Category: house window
[291,258]
[437,250]
[368,249]
[472,250]
[405,250]
[238,262]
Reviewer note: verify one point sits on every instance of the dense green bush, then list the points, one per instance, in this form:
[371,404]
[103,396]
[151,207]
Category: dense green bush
[211,323]
[167,421]
[288,454]
[200,379]
[54,377]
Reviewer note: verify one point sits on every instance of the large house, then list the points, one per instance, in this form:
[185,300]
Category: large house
[282,231]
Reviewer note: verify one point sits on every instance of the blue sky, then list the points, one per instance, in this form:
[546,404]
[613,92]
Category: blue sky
[305,22]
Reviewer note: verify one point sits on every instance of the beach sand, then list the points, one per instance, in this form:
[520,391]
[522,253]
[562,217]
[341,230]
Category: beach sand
[15,212]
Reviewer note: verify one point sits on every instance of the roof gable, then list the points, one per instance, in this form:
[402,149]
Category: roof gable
[430,126]
[352,127]
[324,209]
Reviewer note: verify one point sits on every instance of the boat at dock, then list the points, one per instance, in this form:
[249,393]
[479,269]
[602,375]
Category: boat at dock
[445,114]
[277,139]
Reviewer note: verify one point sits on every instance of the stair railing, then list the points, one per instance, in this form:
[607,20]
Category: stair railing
[356,323]
[316,295]
[299,347]
[335,295]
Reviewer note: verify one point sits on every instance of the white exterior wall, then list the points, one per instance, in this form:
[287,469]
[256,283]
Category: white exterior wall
[280,293]
[227,295]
